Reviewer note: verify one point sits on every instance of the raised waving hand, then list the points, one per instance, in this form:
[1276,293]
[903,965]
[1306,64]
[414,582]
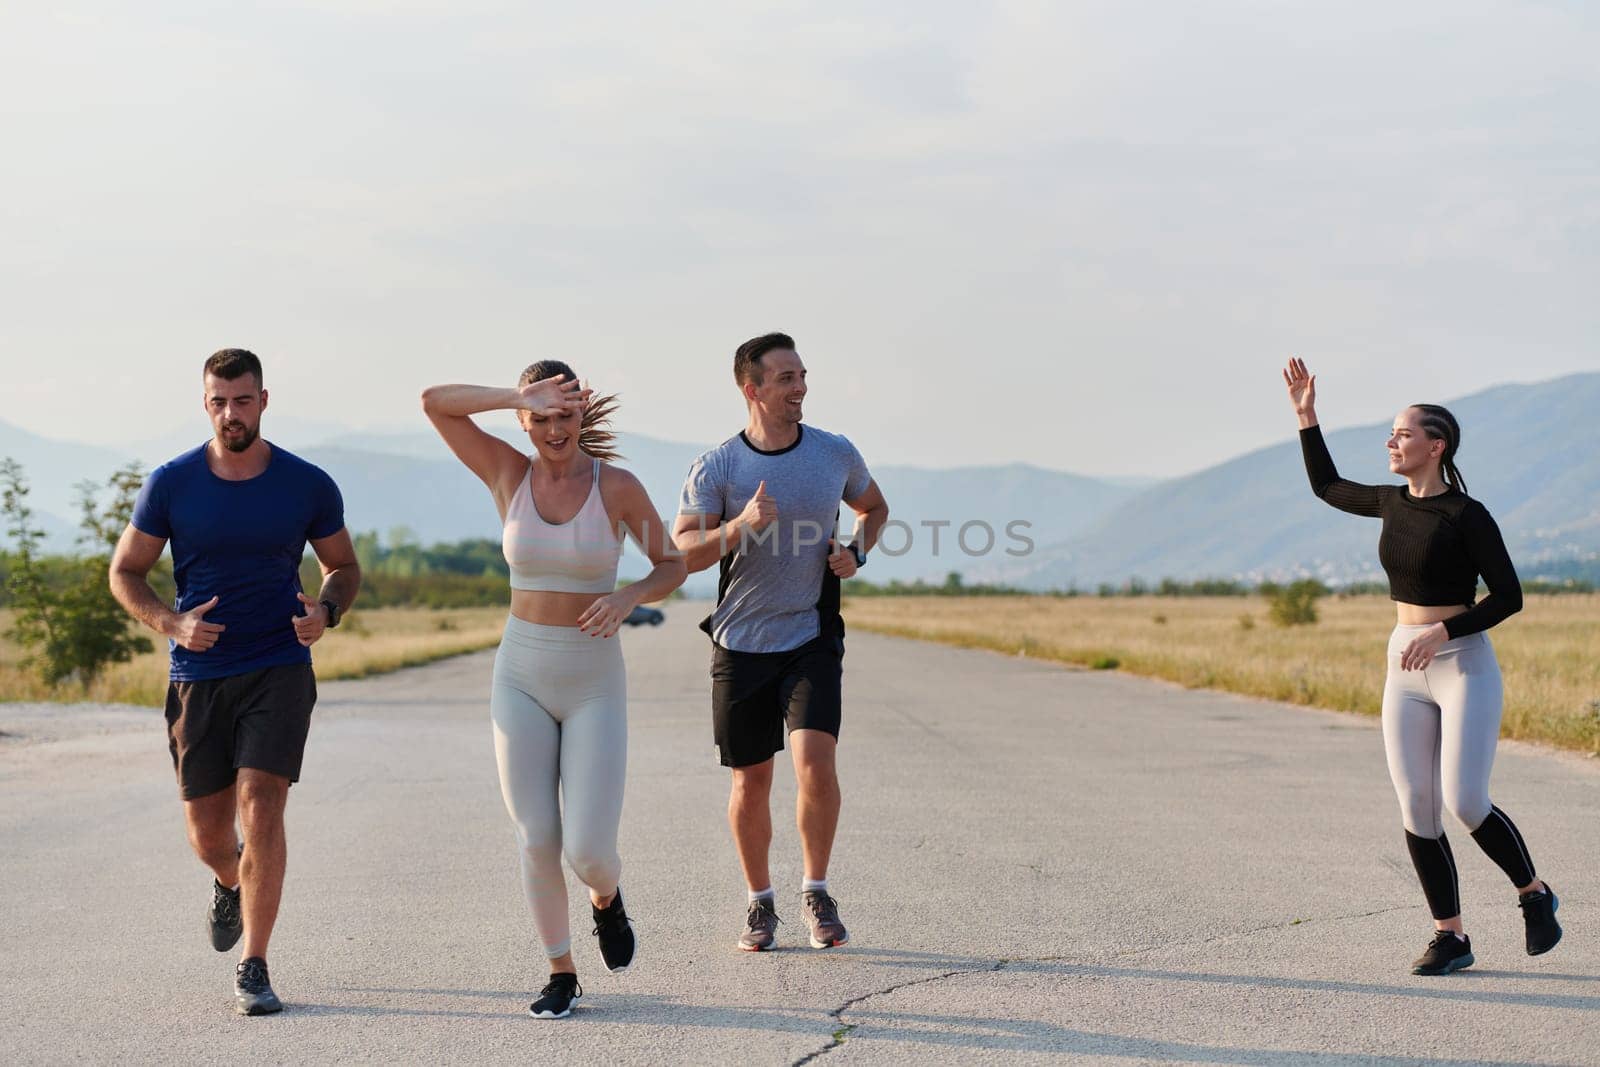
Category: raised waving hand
[1302,386]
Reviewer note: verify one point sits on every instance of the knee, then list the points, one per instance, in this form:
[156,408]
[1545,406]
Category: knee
[1471,806]
[213,844]
[817,777]
[595,868]
[539,839]
[261,803]
[1416,812]
[751,785]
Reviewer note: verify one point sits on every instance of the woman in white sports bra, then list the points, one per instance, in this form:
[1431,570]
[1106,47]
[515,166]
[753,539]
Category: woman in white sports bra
[559,701]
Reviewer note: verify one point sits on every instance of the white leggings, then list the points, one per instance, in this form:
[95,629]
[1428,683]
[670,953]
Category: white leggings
[1440,727]
[560,712]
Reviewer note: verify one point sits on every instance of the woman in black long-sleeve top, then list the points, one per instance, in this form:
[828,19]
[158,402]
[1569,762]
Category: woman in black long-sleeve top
[1441,701]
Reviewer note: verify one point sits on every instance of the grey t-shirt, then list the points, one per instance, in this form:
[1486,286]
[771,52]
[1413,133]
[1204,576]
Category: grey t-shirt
[776,590]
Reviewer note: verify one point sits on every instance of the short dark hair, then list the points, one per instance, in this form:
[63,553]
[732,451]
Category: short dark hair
[747,357]
[231,363]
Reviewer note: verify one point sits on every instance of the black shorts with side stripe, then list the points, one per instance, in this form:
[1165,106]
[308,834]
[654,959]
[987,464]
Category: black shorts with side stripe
[756,697]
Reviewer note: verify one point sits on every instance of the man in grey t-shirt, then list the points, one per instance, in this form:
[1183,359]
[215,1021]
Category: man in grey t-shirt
[766,505]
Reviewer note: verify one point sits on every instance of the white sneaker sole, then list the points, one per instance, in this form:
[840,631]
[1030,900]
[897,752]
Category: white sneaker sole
[549,1014]
[830,944]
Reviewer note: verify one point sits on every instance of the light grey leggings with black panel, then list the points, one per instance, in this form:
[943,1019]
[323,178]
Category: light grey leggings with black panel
[1440,727]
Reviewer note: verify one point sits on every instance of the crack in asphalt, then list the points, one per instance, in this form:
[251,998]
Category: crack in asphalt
[837,1014]
[844,1029]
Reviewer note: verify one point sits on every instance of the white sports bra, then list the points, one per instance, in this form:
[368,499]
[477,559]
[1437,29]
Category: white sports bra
[579,556]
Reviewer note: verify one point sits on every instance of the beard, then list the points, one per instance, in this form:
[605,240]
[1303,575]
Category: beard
[243,441]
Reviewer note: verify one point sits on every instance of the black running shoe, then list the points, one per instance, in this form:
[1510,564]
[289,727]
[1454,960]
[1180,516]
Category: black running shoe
[1539,913]
[252,989]
[615,931]
[822,916]
[760,926]
[555,1000]
[223,918]
[1446,952]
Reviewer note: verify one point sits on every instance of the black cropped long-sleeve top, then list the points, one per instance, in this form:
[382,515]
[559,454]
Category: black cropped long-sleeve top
[1432,548]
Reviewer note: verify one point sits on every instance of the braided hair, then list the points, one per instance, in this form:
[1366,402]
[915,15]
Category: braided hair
[1440,425]
[594,435]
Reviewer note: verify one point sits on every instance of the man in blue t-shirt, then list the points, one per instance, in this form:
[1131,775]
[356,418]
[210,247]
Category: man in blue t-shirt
[765,504]
[238,512]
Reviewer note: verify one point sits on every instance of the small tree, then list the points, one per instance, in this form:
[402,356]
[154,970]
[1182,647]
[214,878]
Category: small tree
[1295,604]
[77,630]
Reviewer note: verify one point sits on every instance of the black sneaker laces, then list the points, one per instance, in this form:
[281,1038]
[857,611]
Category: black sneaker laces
[252,976]
[225,902]
[1445,937]
[564,984]
[612,919]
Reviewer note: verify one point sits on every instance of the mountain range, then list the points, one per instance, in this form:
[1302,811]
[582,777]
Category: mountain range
[1530,452]
[409,485]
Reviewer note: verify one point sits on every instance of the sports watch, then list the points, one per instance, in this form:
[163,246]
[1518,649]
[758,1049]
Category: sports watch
[333,613]
[855,550]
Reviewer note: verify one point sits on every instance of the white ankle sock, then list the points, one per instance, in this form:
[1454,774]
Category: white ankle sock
[761,894]
[813,885]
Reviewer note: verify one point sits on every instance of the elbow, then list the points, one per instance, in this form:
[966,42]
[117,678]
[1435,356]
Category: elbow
[1513,598]
[434,400]
[697,559]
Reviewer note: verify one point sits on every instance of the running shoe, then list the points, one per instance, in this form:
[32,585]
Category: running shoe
[252,989]
[760,926]
[822,916]
[1446,952]
[555,999]
[615,931]
[224,919]
[1539,913]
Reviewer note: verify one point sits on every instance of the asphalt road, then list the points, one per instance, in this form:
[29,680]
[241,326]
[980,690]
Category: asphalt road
[1036,864]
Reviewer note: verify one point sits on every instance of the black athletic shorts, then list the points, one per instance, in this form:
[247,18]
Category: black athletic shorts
[257,720]
[755,696]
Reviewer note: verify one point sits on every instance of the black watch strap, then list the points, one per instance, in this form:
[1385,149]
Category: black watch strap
[333,613]
[861,557]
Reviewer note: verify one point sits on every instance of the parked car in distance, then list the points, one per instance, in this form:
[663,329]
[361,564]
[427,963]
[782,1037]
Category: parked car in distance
[641,615]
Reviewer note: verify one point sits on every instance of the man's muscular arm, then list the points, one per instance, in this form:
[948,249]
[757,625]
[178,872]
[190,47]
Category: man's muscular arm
[129,577]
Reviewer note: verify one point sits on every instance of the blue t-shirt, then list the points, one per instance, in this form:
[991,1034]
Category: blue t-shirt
[241,542]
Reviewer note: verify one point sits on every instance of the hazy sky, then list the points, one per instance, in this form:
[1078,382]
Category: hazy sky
[1079,234]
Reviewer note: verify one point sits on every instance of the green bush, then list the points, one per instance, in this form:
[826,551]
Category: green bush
[1294,604]
[66,618]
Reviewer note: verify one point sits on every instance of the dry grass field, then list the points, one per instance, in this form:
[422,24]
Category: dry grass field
[1549,653]
[367,642]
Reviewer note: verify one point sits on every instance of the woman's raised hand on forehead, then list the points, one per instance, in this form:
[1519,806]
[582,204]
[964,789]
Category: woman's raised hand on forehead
[554,396]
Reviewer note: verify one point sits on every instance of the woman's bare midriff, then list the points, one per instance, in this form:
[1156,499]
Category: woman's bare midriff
[1423,614]
[551,609]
